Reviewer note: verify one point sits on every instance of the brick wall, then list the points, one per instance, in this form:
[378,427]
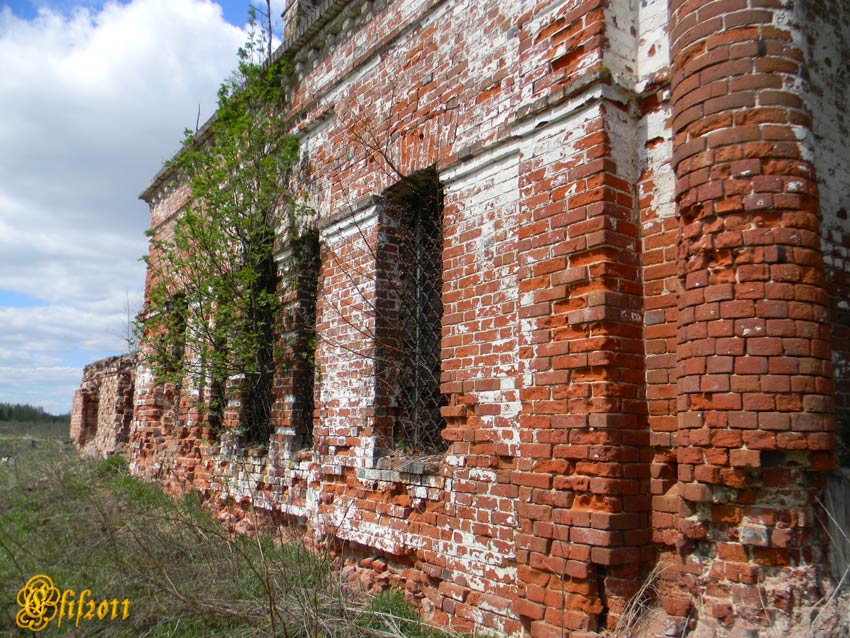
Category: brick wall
[755,387]
[103,407]
[644,279]
[823,32]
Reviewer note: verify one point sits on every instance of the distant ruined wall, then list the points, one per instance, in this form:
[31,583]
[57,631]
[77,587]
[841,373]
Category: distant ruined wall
[644,283]
[103,407]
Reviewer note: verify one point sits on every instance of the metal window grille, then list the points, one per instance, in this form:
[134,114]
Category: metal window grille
[259,398]
[418,424]
[257,387]
[256,407]
[304,366]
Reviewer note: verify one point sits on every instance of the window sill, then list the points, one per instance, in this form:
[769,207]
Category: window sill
[410,470]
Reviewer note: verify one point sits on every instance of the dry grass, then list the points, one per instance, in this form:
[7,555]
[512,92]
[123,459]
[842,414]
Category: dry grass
[91,525]
[641,616]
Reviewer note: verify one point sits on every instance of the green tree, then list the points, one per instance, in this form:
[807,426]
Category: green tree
[214,295]
[26,413]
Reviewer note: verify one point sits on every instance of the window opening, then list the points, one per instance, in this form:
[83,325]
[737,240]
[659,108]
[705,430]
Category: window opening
[304,364]
[415,218]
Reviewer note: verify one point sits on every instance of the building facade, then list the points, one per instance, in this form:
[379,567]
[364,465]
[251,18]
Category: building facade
[627,220]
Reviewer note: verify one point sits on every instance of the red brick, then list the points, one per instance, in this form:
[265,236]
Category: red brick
[603,339]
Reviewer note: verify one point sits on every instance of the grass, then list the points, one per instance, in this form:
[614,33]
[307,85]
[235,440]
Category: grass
[90,525]
[11,431]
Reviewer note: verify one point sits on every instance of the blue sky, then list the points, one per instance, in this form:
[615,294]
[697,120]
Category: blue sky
[235,12]
[12,299]
[95,96]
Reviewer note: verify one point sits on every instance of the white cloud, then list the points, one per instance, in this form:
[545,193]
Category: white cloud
[92,103]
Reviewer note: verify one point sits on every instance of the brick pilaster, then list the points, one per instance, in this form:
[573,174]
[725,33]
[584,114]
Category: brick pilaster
[292,410]
[583,468]
[754,386]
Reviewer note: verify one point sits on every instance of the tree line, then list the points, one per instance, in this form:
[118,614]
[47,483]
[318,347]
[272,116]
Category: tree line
[25,413]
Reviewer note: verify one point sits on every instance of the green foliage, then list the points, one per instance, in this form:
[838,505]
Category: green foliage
[89,524]
[110,466]
[214,297]
[389,612]
[25,413]
[391,601]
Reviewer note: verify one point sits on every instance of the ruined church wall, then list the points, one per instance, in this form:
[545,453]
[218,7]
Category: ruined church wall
[103,407]
[754,400]
[515,124]
[634,348]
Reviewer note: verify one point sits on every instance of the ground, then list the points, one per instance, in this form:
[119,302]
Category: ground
[81,523]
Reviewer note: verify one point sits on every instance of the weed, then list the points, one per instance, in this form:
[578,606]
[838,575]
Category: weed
[109,467]
[90,525]
[389,613]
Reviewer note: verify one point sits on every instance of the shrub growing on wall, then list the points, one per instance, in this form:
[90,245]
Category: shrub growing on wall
[214,293]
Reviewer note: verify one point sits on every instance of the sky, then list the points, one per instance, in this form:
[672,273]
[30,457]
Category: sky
[94,97]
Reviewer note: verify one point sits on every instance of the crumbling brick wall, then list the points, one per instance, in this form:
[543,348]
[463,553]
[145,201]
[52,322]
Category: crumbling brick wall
[644,285]
[103,407]
[753,337]
[823,32]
